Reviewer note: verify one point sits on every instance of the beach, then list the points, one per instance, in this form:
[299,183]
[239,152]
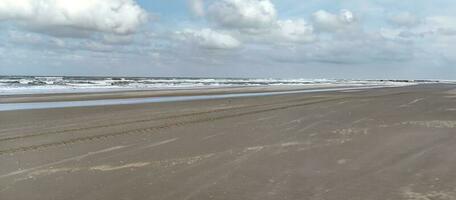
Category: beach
[371,143]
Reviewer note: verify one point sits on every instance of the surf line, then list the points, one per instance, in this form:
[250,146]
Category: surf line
[105,102]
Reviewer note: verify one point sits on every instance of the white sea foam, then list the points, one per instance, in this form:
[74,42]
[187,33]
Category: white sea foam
[32,85]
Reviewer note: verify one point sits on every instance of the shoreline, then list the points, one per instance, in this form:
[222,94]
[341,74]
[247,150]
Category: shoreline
[132,93]
[167,96]
[89,85]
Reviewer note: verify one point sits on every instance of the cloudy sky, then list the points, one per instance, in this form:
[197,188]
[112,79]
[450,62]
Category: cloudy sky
[412,39]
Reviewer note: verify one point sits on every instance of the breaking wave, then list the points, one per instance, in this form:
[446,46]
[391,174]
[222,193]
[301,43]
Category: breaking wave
[57,84]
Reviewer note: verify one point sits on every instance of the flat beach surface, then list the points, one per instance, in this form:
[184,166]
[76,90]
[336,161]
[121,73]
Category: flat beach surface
[370,144]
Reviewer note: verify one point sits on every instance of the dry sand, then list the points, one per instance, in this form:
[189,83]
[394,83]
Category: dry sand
[392,143]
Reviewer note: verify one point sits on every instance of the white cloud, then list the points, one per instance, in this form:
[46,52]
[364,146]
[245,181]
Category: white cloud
[110,16]
[197,7]
[293,31]
[326,21]
[404,19]
[256,21]
[208,38]
[243,14]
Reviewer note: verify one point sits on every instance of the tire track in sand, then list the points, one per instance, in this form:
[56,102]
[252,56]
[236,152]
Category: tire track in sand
[155,129]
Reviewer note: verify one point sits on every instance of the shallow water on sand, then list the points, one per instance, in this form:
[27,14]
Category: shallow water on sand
[63,104]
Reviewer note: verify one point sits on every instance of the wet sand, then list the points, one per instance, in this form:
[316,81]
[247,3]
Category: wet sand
[47,97]
[391,143]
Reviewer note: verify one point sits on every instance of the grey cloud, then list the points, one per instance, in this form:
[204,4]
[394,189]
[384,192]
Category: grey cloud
[444,25]
[239,37]
[404,19]
[330,38]
[243,14]
[117,39]
[59,31]
[283,32]
[255,21]
[197,7]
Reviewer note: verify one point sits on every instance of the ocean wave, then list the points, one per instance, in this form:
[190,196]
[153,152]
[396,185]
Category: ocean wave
[56,84]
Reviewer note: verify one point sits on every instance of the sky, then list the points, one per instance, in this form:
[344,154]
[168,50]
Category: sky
[354,39]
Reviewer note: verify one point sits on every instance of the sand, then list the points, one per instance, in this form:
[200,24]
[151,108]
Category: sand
[391,143]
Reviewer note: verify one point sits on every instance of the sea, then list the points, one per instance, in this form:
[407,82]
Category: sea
[10,85]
